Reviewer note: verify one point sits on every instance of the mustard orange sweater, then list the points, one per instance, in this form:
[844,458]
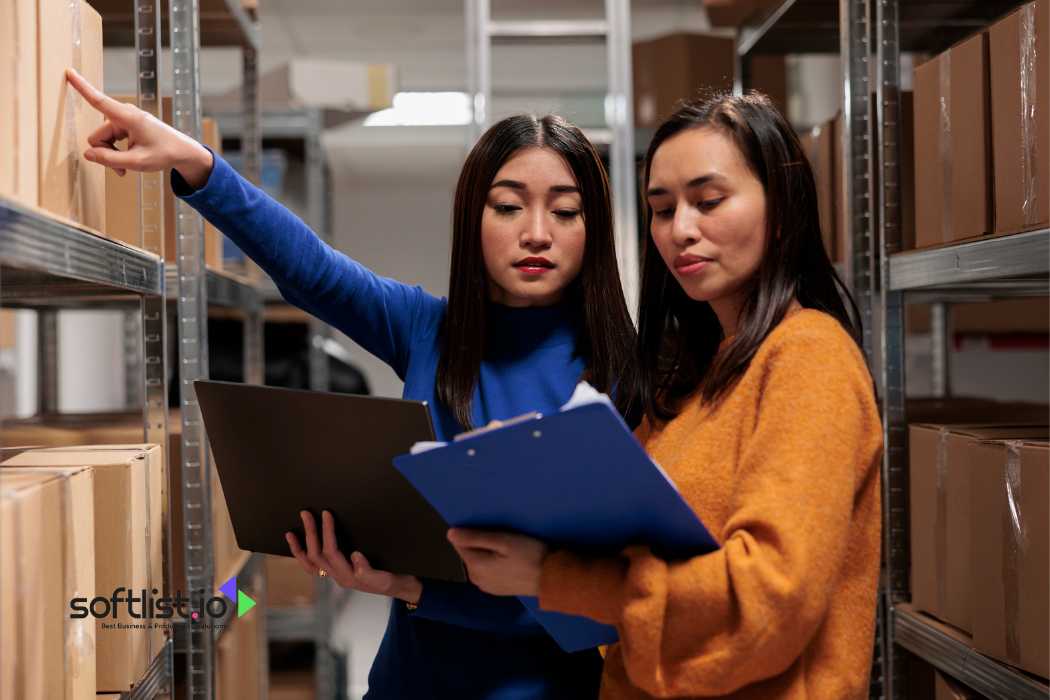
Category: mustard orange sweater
[785,474]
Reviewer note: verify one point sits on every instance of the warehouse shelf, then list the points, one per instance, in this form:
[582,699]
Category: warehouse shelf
[50,263]
[949,651]
[1023,258]
[548,30]
[812,26]
[291,624]
[223,290]
[222,23]
[157,679]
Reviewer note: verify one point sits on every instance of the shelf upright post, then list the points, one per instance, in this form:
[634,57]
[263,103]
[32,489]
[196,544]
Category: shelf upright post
[894,585]
[47,361]
[193,358]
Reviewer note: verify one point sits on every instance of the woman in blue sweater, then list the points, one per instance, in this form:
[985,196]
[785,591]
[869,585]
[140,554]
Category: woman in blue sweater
[535,305]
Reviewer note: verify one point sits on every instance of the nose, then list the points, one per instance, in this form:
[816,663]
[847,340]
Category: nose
[685,228]
[535,235]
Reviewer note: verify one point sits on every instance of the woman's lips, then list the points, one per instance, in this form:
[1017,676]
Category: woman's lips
[534,266]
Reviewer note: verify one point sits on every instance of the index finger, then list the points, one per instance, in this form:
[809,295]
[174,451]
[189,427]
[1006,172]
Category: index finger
[95,97]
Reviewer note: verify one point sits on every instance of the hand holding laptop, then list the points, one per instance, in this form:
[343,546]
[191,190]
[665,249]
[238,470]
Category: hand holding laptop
[324,558]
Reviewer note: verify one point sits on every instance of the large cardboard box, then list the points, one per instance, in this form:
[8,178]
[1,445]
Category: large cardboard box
[129,496]
[733,13]
[966,410]
[1011,547]
[952,157]
[1001,316]
[240,669]
[123,203]
[19,155]
[701,63]
[942,463]
[292,685]
[1020,73]
[47,559]
[69,34]
[287,585]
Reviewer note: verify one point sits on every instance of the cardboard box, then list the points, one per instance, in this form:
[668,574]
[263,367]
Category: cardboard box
[19,154]
[47,558]
[1002,316]
[820,149]
[733,13]
[701,63]
[1010,516]
[976,411]
[292,685]
[287,585]
[129,497]
[240,660]
[1020,136]
[69,34]
[941,471]
[8,329]
[952,147]
[123,204]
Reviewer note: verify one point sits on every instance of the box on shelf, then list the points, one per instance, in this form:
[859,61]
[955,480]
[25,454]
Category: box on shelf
[19,148]
[953,159]
[1011,544]
[943,461]
[122,199]
[702,62]
[69,35]
[292,685]
[239,661]
[8,329]
[47,559]
[287,585]
[128,504]
[976,411]
[1020,72]
[733,13]
[819,147]
[1001,316]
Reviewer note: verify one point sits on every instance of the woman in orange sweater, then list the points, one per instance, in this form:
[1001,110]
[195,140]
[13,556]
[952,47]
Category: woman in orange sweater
[760,407]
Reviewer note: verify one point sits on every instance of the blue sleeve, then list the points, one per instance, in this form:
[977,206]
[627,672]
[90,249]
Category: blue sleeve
[378,313]
[465,605]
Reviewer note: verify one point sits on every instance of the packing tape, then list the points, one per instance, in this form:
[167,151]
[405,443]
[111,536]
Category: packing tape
[940,526]
[945,142]
[1014,547]
[79,647]
[1029,81]
[149,549]
[72,97]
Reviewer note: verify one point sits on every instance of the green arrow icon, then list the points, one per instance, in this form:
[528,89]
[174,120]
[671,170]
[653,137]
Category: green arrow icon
[244,603]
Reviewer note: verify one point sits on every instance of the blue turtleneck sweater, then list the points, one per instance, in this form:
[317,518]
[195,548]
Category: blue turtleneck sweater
[460,643]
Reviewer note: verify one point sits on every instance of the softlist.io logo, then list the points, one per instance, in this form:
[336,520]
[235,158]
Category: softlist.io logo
[149,607]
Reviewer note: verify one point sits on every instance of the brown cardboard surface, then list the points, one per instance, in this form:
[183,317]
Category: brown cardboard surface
[238,657]
[1001,316]
[287,585]
[1005,43]
[946,688]
[1013,596]
[975,411]
[952,151]
[701,63]
[819,145]
[211,137]
[769,76]
[128,504]
[48,558]
[8,329]
[971,148]
[941,475]
[69,185]
[733,13]
[19,154]
[292,685]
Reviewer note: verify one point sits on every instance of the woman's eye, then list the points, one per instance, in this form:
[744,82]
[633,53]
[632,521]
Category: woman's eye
[664,213]
[709,204]
[506,209]
[567,214]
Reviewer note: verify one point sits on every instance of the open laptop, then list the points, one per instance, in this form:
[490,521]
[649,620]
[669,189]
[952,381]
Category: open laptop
[280,451]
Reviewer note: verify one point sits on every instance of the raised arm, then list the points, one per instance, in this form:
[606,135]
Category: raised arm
[380,314]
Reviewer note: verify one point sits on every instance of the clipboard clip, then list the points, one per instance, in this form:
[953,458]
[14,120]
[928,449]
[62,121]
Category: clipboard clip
[497,424]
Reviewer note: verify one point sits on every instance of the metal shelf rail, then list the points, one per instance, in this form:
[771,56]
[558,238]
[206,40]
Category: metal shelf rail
[307,623]
[884,279]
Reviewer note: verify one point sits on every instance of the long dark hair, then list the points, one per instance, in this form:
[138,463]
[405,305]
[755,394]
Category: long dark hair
[606,337]
[679,338]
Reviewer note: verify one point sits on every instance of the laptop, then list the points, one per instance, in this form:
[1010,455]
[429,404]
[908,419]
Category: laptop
[280,451]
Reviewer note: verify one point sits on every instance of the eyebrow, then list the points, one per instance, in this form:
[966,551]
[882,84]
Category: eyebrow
[518,185]
[695,182]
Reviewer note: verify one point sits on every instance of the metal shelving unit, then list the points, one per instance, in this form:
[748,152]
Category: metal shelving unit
[483,33]
[868,33]
[314,623]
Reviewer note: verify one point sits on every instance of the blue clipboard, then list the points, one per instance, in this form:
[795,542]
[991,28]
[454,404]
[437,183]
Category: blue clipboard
[577,480]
